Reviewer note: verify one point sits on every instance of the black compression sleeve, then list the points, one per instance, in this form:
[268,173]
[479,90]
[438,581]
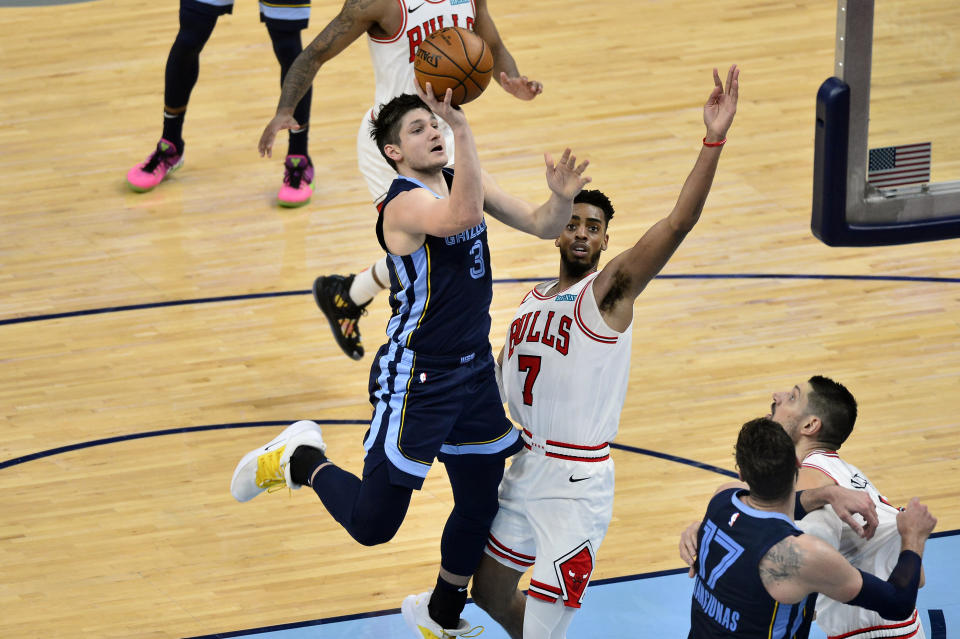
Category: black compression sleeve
[798,510]
[896,597]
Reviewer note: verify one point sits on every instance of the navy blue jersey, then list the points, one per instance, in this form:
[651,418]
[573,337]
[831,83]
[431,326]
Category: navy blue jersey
[729,599]
[440,294]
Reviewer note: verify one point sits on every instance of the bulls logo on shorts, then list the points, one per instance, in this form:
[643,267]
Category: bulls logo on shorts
[573,571]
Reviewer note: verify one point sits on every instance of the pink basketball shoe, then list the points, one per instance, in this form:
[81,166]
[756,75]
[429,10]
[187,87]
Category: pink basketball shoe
[297,181]
[164,160]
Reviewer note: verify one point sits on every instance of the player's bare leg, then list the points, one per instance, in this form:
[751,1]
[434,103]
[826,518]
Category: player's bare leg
[495,591]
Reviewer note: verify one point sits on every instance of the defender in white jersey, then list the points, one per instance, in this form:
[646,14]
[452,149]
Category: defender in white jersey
[394,29]
[565,367]
[819,415]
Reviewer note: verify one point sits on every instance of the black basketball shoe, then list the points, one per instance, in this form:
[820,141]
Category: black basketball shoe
[332,295]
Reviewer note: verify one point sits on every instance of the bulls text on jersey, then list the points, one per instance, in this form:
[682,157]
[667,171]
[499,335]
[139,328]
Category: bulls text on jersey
[417,33]
[525,328]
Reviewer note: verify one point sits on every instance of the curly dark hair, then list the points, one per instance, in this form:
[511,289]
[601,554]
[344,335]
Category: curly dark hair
[766,459]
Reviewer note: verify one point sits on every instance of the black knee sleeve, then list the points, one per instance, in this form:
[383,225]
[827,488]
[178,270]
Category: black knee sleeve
[183,63]
[287,46]
[464,537]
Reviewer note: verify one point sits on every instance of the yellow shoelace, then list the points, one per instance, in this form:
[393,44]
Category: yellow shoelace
[270,474]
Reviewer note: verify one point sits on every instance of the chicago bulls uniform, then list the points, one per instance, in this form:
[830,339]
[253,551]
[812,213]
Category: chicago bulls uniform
[565,376]
[877,555]
[392,60]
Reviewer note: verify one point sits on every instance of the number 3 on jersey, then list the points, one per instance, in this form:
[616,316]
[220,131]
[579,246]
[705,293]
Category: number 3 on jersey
[530,364]
[478,268]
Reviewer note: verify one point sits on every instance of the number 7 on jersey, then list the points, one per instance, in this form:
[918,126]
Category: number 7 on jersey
[531,365]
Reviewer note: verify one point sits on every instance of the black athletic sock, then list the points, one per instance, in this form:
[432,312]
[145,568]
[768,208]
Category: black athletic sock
[173,128]
[303,462]
[298,142]
[447,603]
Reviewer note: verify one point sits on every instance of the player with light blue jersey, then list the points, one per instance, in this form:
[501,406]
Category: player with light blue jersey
[432,384]
[734,538]
[436,309]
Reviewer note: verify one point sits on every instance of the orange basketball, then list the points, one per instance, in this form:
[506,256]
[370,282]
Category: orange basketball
[454,58]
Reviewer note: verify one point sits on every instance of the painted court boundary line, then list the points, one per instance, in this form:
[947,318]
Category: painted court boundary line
[159,433]
[326,422]
[681,276]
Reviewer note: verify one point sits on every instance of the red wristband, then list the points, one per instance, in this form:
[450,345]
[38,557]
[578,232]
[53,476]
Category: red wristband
[720,143]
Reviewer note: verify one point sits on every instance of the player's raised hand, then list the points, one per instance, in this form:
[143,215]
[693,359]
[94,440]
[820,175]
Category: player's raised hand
[566,178]
[442,108]
[279,122]
[721,106]
[520,87]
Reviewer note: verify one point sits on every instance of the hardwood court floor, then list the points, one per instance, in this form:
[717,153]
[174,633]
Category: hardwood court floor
[140,538]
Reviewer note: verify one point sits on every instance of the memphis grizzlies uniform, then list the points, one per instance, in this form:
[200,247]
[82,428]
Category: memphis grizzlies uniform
[877,555]
[433,385]
[286,14]
[729,599]
[392,60]
[565,376]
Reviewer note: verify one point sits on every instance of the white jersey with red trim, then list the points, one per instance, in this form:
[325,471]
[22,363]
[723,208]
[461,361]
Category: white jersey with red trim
[393,57]
[565,372]
[392,60]
[877,555]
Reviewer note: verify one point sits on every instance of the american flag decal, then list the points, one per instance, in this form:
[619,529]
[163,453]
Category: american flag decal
[897,165]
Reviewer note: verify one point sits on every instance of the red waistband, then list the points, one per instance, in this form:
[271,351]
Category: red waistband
[564,450]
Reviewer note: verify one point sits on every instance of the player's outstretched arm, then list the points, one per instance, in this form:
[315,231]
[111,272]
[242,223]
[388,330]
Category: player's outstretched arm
[798,566]
[354,19]
[504,67]
[565,178]
[625,276]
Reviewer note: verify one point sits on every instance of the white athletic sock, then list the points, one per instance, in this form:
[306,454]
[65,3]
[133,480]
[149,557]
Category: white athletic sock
[542,620]
[367,283]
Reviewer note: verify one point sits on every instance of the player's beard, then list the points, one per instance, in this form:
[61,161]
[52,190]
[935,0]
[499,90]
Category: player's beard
[577,268]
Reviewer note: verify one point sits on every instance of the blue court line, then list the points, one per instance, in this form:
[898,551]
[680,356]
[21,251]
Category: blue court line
[938,625]
[363,422]
[138,307]
[673,458]
[158,433]
[514,280]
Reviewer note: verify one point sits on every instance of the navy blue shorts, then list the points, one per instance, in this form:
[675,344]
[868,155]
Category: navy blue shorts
[427,408]
[284,14]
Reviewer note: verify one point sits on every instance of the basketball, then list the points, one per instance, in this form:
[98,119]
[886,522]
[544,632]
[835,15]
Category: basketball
[454,58]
